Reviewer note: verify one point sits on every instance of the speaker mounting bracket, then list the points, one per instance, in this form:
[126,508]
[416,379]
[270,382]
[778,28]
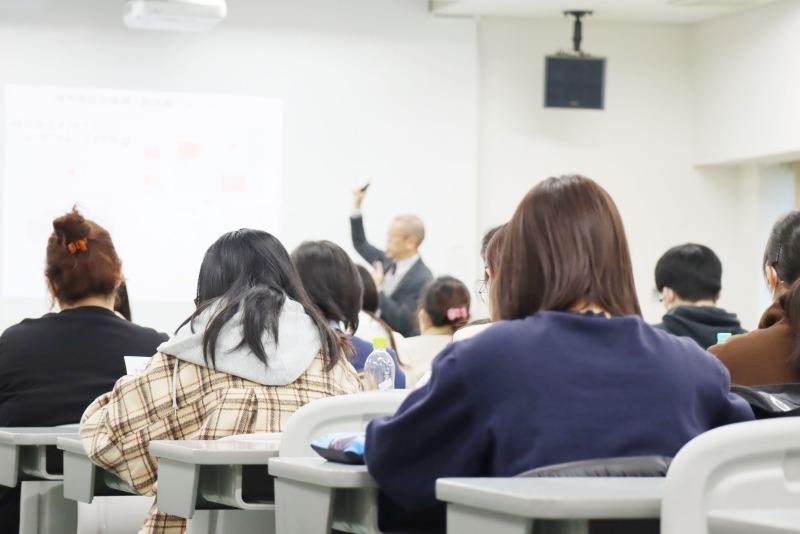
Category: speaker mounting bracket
[577,34]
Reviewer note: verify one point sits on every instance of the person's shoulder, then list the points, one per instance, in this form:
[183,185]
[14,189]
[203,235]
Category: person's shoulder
[763,340]
[679,348]
[148,332]
[360,344]
[28,326]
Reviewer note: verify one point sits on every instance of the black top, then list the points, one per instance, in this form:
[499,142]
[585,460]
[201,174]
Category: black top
[53,367]
[701,323]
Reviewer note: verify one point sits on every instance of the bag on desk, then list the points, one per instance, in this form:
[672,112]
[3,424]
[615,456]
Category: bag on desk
[341,447]
[778,400]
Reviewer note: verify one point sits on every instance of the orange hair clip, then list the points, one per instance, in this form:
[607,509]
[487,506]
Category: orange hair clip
[75,246]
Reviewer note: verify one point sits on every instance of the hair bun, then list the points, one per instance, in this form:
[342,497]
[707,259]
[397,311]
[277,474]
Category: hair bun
[71,227]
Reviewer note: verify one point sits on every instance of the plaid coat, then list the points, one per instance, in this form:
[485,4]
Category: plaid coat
[117,428]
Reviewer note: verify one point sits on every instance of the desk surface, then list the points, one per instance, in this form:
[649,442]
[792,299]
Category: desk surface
[557,498]
[747,521]
[320,472]
[71,444]
[220,452]
[35,436]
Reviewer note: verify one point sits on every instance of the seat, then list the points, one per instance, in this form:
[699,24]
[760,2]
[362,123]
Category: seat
[199,478]
[738,474]
[29,458]
[313,495]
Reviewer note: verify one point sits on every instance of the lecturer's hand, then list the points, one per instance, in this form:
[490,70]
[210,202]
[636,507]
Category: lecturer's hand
[377,275]
[358,197]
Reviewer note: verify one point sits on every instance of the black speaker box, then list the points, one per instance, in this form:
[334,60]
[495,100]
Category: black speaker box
[574,82]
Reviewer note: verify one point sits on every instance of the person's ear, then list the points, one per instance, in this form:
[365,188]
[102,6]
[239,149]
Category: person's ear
[423,319]
[120,278]
[669,297]
[772,276]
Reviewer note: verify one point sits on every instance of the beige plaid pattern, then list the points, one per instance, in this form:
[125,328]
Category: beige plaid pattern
[117,428]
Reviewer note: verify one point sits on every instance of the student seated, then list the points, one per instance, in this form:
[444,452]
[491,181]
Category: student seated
[332,282]
[490,252]
[570,373]
[370,325]
[771,354]
[443,309]
[689,278]
[52,367]
[254,351]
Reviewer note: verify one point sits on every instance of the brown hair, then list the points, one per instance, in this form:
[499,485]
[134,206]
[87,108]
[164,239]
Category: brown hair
[565,244]
[442,295]
[76,273]
[783,254]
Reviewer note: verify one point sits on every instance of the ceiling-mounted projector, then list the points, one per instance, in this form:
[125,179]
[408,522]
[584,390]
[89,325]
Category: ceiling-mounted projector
[175,15]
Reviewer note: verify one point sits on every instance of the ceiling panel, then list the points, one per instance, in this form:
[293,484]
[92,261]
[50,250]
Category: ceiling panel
[672,11]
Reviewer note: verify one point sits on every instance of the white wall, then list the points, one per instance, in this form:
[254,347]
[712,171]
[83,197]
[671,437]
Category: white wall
[747,82]
[639,148]
[371,90]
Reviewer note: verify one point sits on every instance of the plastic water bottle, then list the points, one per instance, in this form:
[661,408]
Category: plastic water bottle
[379,367]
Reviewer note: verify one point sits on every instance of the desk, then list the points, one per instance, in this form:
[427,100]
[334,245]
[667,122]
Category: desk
[82,482]
[551,505]
[31,454]
[748,521]
[313,495]
[212,475]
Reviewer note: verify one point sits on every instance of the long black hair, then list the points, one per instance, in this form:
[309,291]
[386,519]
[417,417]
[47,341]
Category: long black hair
[370,302]
[250,270]
[332,281]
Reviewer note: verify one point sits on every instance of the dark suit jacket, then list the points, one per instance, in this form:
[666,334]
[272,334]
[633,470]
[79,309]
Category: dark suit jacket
[399,309]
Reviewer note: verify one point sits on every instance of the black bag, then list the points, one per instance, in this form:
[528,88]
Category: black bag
[777,400]
[633,466]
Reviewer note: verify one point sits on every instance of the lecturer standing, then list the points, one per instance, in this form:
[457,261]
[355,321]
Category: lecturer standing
[399,272]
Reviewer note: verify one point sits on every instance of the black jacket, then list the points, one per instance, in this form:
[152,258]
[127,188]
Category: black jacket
[53,367]
[701,323]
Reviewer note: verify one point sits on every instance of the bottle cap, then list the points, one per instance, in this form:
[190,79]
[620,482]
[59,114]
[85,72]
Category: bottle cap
[722,337]
[379,342]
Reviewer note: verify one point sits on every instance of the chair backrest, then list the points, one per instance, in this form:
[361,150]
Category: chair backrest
[342,413]
[744,465]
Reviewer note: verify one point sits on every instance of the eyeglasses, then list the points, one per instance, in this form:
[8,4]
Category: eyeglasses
[482,289]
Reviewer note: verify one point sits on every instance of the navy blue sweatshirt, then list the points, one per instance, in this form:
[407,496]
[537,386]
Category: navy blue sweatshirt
[554,387]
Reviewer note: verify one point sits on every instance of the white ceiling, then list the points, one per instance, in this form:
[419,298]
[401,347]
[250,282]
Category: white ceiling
[672,11]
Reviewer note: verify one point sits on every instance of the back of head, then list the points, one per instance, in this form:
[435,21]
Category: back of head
[564,245]
[783,247]
[369,300]
[782,253]
[692,271]
[487,237]
[446,301]
[493,250]
[81,259]
[122,304]
[332,281]
[249,271]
